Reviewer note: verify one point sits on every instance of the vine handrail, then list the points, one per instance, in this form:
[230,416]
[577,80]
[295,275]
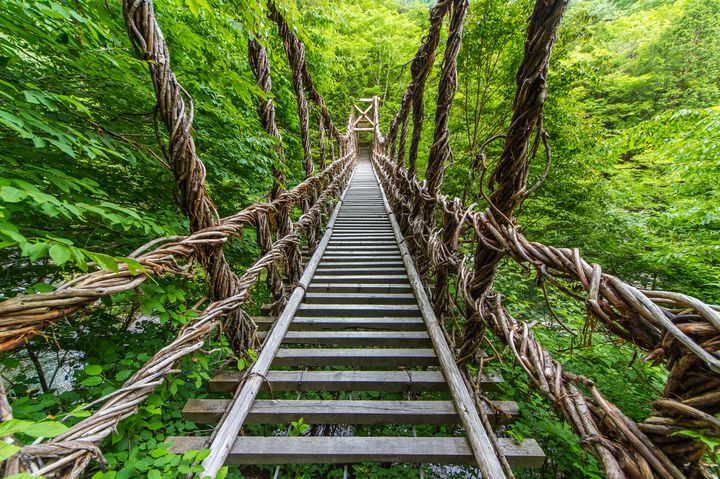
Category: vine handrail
[623,308]
[681,331]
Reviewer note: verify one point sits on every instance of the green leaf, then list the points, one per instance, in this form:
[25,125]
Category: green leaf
[46,429]
[12,194]
[160,452]
[154,425]
[93,370]
[92,381]
[22,475]
[7,450]
[196,6]
[222,473]
[133,265]
[78,412]
[154,474]
[13,426]
[60,254]
[123,375]
[104,261]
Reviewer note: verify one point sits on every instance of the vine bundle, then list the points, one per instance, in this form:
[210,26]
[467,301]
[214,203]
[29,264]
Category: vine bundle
[279,239]
[677,330]
[680,331]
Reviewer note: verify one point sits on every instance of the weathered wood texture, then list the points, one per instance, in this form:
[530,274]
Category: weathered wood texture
[345,450]
[209,411]
[360,323]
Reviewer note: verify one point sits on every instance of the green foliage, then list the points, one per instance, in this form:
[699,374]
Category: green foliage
[634,125]
[632,115]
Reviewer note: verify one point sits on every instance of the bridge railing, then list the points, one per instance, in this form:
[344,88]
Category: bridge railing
[78,445]
[677,330]
[279,241]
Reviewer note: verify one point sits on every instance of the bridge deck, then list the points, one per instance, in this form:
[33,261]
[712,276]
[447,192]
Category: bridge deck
[360,336]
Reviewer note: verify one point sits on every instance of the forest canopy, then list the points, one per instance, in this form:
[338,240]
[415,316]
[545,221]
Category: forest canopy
[632,115]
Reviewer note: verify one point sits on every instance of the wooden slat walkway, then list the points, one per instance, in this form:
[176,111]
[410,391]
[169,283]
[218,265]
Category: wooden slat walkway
[362,326]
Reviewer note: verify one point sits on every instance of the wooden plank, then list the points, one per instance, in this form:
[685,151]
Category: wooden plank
[360,298]
[365,358]
[362,256]
[341,323]
[313,411]
[376,264]
[393,247]
[346,450]
[378,339]
[477,436]
[388,381]
[359,310]
[359,288]
[209,411]
[378,272]
[364,235]
[230,427]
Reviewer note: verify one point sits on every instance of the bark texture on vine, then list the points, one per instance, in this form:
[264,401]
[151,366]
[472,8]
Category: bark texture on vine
[511,172]
[676,330]
[174,105]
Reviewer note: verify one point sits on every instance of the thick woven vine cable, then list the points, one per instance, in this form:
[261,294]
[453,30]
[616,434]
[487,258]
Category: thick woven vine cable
[440,151]
[323,151]
[295,52]
[174,105]
[290,38]
[510,175]
[260,65]
[677,330]
[71,452]
[24,316]
[420,68]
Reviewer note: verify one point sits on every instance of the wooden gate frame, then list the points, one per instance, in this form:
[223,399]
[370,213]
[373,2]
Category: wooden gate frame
[368,116]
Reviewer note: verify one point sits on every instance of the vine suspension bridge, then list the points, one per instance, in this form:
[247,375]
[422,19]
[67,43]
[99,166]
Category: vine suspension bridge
[361,284]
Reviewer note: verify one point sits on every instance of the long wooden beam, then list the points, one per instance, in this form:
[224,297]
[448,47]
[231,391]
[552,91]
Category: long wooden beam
[242,402]
[477,437]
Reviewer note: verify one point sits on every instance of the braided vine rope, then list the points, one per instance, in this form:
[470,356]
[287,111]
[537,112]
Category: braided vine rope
[420,68]
[174,105]
[512,170]
[295,52]
[260,65]
[681,331]
[70,453]
[24,316]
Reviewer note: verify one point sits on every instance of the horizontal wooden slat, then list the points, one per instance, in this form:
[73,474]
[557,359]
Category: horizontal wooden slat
[342,248]
[389,381]
[359,310]
[378,339]
[345,450]
[209,411]
[362,278]
[378,272]
[366,358]
[342,324]
[358,256]
[350,263]
[359,298]
[317,287]
[363,243]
